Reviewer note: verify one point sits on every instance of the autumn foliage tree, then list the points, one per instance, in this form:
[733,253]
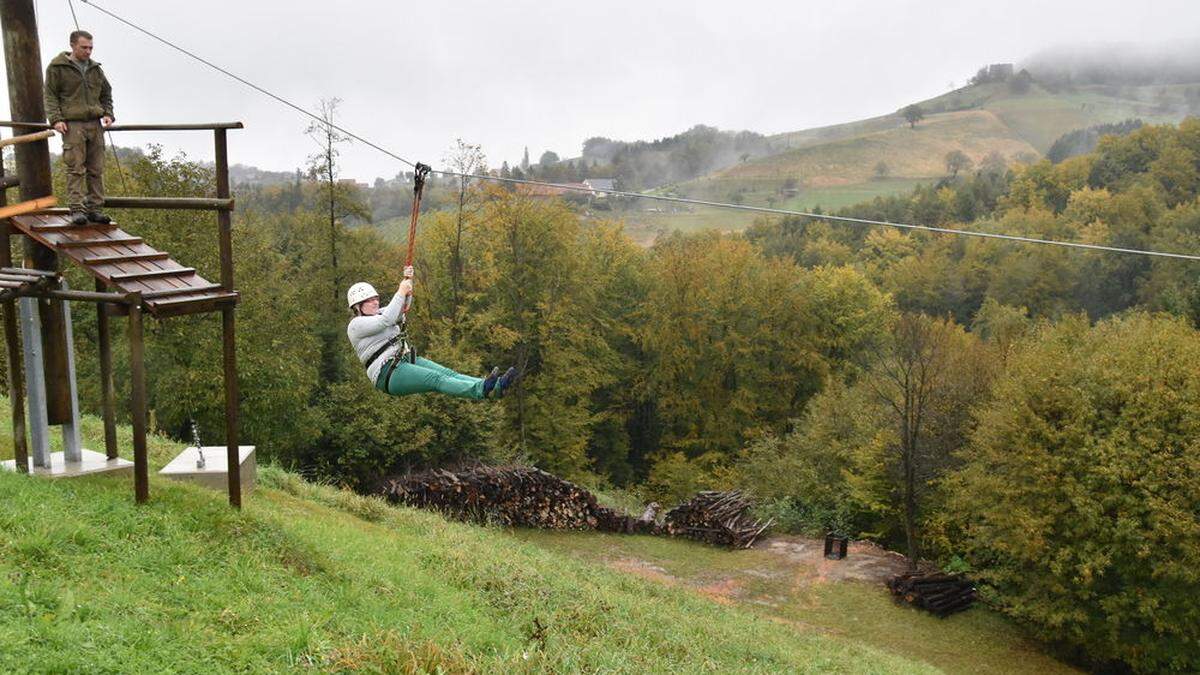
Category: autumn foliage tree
[1080,495]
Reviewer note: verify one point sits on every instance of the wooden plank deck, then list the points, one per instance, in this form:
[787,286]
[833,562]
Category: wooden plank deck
[127,264]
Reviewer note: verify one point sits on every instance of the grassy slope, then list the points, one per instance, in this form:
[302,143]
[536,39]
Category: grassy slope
[979,641]
[310,578]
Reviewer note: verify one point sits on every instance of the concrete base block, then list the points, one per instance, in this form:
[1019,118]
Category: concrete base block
[91,463]
[215,473]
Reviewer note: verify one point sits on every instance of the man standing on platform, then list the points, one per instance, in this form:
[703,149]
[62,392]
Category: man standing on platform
[79,105]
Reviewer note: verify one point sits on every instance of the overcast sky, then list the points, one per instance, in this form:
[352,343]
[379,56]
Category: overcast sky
[415,76]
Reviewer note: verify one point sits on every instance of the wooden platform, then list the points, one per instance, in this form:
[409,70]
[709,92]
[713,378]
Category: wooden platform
[127,264]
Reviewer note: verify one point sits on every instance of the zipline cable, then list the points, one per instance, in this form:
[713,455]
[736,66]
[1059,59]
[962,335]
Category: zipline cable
[640,195]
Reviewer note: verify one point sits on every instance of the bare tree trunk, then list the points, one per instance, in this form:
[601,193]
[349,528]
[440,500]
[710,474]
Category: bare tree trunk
[910,511]
[456,260]
[332,216]
[519,310]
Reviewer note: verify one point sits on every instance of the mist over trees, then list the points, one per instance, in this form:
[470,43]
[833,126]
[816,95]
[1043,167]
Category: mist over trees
[1084,141]
[693,153]
[1117,64]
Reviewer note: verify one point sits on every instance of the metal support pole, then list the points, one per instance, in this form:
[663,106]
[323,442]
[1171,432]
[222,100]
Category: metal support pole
[107,392]
[72,442]
[137,368]
[228,343]
[39,425]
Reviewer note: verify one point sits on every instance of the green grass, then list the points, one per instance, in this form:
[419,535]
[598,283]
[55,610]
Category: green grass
[310,578]
[978,641]
[645,226]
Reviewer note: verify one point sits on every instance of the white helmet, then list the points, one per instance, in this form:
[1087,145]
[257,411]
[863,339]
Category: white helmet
[360,292]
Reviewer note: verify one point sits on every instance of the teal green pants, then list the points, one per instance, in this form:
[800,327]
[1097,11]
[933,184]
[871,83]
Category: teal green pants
[425,376]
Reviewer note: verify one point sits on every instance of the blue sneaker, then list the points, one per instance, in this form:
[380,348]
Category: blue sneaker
[489,382]
[508,379]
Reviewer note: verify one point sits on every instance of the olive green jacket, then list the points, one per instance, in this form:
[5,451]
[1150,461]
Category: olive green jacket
[70,95]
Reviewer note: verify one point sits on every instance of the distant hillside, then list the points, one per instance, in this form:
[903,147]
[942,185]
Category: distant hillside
[1018,120]
[241,174]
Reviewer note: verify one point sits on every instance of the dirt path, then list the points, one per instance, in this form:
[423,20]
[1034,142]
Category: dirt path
[864,560]
[787,579]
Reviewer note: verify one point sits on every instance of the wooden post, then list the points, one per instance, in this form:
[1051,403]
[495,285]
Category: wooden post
[137,368]
[16,373]
[23,62]
[107,393]
[228,343]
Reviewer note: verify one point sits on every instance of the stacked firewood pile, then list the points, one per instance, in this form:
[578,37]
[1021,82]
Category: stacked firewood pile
[721,518]
[517,496]
[510,496]
[942,594]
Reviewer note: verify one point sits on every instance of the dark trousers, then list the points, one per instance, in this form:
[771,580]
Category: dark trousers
[83,153]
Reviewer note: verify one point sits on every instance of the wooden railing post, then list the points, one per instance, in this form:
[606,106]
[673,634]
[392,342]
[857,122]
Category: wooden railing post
[228,343]
[137,368]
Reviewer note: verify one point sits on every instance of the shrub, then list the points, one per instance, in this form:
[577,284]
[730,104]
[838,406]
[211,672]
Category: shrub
[1080,499]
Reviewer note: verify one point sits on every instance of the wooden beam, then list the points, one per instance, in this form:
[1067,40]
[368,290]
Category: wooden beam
[180,203]
[126,257]
[25,276]
[71,227]
[137,401]
[152,274]
[167,292]
[228,341]
[185,305]
[203,126]
[7,269]
[27,207]
[27,138]
[83,243]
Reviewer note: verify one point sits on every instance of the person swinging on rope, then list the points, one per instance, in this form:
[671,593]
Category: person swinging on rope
[379,340]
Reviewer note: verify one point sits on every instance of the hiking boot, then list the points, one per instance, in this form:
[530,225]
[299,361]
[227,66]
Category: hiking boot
[508,379]
[77,218]
[489,382]
[98,217]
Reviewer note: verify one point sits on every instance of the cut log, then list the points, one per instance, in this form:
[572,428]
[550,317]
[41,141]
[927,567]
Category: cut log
[941,594]
[721,518]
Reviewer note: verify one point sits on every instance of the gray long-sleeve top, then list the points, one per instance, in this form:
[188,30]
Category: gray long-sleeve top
[369,333]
